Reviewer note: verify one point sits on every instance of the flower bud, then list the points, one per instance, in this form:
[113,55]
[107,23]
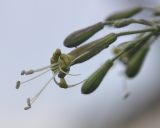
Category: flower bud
[78,37]
[95,79]
[92,48]
[136,61]
[125,14]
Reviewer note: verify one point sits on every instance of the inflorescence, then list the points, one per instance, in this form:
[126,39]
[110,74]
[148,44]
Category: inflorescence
[131,53]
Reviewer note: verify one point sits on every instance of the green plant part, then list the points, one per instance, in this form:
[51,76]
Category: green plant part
[124,14]
[78,37]
[136,61]
[120,48]
[91,49]
[64,63]
[94,80]
[126,22]
[136,44]
[81,54]
[63,83]
[55,56]
[131,53]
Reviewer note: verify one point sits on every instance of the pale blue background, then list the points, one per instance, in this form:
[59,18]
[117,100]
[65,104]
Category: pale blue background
[30,30]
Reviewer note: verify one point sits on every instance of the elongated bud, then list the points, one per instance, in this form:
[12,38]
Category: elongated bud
[78,37]
[92,83]
[136,61]
[125,14]
[93,48]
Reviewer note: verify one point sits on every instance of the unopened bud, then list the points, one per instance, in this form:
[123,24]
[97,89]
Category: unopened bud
[92,48]
[136,61]
[78,37]
[94,80]
[125,14]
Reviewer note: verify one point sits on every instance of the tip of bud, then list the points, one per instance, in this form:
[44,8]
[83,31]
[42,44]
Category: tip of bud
[18,83]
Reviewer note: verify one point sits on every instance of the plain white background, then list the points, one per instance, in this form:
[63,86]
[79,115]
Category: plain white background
[30,31]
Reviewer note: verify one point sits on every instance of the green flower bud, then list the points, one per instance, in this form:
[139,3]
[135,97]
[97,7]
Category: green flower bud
[136,61]
[78,37]
[95,79]
[125,14]
[93,48]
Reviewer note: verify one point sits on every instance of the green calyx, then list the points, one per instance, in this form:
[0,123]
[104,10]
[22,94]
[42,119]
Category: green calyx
[136,61]
[93,48]
[124,14]
[95,79]
[78,37]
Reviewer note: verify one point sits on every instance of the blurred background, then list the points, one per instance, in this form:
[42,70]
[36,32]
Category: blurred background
[31,30]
